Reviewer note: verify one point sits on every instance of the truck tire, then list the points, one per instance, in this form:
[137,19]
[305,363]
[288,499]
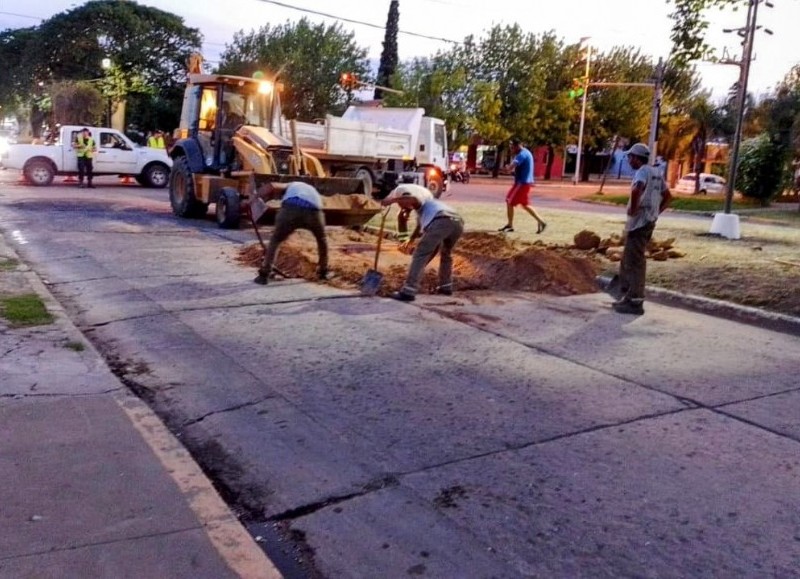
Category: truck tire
[181,191]
[228,208]
[155,176]
[39,172]
[436,185]
[369,182]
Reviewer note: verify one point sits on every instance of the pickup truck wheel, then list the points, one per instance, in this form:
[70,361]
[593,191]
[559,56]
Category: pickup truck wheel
[436,185]
[181,191]
[155,176]
[228,208]
[366,175]
[39,173]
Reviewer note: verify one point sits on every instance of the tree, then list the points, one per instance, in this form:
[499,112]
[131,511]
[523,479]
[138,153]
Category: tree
[146,46]
[756,175]
[389,57]
[690,26]
[76,104]
[308,59]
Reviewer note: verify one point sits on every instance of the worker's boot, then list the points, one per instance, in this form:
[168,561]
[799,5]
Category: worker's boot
[402,296]
[261,278]
[634,307]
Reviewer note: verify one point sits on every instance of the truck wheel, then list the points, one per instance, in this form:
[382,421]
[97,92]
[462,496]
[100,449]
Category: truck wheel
[39,173]
[155,175]
[366,175]
[181,191]
[228,208]
[436,185]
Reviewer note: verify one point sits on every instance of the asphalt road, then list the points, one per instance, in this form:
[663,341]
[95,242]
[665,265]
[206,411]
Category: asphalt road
[486,435]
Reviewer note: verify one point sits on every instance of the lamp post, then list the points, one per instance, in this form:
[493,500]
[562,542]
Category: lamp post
[583,110]
[106,64]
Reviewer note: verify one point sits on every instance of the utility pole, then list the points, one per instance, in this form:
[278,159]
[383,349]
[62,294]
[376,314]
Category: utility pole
[583,112]
[741,95]
[656,112]
[725,223]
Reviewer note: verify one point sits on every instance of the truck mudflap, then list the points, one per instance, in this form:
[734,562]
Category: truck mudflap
[344,200]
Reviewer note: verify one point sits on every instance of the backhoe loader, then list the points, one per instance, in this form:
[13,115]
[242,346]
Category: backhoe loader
[230,142]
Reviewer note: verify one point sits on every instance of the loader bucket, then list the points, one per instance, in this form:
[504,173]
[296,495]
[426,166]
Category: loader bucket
[344,200]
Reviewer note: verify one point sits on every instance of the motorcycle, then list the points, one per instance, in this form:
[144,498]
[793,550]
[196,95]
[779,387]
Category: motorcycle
[458,175]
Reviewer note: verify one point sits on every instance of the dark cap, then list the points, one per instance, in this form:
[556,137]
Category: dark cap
[516,142]
[86,129]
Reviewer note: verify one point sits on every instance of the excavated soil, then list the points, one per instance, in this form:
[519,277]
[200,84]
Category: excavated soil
[480,261]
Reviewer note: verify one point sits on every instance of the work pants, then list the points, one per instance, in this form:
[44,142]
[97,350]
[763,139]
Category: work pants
[633,267]
[442,233]
[287,221]
[85,167]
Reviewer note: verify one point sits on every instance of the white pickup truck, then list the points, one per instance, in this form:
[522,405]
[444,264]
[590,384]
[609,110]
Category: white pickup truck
[116,155]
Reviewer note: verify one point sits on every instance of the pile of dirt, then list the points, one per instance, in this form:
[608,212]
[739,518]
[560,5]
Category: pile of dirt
[612,246]
[481,261]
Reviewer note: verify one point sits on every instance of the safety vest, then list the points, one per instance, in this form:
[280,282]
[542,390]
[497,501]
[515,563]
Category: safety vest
[85,147]
[156,142]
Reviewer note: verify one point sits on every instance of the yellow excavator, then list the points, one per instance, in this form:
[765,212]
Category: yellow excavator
[231,141]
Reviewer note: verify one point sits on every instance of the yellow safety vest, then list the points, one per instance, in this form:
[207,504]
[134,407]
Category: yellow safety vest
[85,148]
[156,142]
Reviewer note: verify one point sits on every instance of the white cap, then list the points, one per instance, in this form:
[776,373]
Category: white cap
[418,192]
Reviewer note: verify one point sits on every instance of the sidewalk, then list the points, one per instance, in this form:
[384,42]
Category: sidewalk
[92,484]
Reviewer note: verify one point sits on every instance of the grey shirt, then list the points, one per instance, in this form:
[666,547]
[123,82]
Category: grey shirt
[650,199]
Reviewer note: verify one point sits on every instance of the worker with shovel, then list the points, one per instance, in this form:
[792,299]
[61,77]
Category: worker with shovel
[438,228]
[301,208]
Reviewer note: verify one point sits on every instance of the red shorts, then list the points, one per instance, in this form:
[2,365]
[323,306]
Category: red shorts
[518,194]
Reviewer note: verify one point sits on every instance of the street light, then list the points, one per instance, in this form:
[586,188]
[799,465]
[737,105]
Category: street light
[583,109]
[106,64]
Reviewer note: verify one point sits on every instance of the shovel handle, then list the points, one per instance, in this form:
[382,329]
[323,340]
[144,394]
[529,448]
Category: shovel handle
[380,236]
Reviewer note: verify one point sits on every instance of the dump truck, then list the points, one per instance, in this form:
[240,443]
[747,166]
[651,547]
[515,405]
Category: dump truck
[231,141]
[383,146]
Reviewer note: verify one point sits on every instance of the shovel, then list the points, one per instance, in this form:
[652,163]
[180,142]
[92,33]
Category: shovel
[373,278]
[257,209]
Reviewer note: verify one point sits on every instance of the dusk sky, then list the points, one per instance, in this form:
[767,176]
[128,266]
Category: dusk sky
[644,24]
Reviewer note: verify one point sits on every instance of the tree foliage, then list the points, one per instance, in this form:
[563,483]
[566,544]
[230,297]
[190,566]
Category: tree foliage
[756,174]
[690,23]
[389,56]
[146,46]
[307,58]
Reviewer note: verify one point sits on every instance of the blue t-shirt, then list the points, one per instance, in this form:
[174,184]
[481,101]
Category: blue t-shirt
[523,167]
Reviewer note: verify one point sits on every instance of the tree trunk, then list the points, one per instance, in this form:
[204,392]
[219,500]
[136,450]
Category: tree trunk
[608,164]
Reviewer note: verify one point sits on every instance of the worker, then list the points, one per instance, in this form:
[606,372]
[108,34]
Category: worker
[156,140]
[439,227]
[422,193]
[649,198]
[301,208]
[85,148]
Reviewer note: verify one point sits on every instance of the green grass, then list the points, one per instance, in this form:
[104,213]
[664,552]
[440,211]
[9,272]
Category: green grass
[8,264]
[25,310]
[75,346]
[680,203]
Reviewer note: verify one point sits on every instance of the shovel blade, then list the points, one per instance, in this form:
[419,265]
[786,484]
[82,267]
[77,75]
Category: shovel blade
[371,282]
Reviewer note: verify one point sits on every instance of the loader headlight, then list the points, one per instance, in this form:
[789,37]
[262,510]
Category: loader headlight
[264,87]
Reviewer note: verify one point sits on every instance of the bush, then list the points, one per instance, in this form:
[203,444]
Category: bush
[760,172]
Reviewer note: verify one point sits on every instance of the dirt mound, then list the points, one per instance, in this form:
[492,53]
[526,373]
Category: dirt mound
[481,261]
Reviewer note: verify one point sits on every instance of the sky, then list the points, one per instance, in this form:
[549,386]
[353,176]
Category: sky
[643,24]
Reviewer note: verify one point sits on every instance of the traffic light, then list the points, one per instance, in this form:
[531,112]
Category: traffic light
[577,89]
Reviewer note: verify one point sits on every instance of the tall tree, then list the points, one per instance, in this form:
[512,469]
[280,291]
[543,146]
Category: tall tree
[146,47]
[690,23]
[307,58]
[389,57]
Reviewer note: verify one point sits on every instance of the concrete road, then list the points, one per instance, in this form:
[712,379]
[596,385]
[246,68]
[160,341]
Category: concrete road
[485,435]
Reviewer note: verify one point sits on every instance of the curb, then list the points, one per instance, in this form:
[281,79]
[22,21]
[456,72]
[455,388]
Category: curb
[230,538]
[719,308]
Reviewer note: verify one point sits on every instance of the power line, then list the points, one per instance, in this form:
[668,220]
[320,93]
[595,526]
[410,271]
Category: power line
[360,22]
[21,15]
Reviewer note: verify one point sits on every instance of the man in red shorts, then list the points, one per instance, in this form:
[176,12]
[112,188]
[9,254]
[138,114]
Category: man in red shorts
[520,192]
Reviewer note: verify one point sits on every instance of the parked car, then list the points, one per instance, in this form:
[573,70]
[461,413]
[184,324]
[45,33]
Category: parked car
[708,184]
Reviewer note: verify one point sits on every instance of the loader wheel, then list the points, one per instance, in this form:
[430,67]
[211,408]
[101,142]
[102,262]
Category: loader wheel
[228,208]
[39,173]
[181,191]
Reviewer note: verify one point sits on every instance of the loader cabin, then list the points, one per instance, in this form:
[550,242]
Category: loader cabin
[214,106]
